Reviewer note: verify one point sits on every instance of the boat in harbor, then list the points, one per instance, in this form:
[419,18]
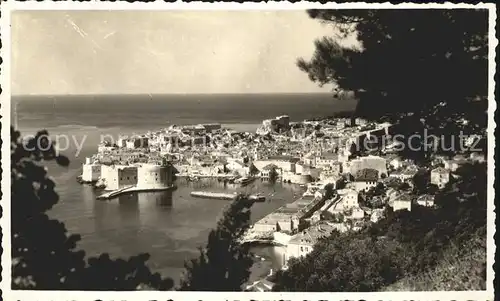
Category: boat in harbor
[257,197]
[100,184]
[80,180]
[231,180]
[244,181]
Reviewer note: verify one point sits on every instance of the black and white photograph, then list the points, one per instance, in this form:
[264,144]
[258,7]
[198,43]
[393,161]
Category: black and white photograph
[284,149]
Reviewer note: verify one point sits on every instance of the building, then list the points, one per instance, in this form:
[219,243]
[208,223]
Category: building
[391,194]
[330,177]
[396,162]
[287,163]
[366,179]
[277,124]
[343,159]
[275,222]
[336,168]
[210,127]
[143,176]
[265,172]
[376,215]
[152,176]
[360,121]
[456,162]
[405,174]
[451,165]
[166,148]
[137,142]
[301,168]
[91,172]
[121,142]
[193,129]
[262,285]
[309,159]
[328,203]
[356,213]
[326,159]
[284,163]
[377,163]
[394,147]
[105,147]
[426,200]
[291,177]
[302,243]
[283,122]
[371,162]
[440,177]
[477,157]
[119,176]
[347,204]
[289,218]
[402,202]
[238,167]
[316,217]
[198,140]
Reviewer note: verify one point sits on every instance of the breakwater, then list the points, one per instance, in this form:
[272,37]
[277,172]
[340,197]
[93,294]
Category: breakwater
[225,196]
[132,189]
[214,195]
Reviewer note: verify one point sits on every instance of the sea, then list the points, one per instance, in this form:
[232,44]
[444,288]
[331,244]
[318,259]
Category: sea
[170,226]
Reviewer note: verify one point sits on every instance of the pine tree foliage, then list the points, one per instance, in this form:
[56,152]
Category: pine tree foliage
[415,61]
[224,264]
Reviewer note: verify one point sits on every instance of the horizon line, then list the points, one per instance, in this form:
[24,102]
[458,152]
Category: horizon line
[163,94]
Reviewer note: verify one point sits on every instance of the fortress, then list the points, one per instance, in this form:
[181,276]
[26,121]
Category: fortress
[143,176]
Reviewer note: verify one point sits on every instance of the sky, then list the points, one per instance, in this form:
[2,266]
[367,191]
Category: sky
[141,52]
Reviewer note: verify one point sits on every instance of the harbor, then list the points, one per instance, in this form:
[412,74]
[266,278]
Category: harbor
[173,222]
[311,155]
[212,162]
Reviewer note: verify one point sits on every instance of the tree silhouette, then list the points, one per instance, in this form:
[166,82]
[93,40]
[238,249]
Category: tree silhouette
[43,254]
[329,191]
[429,67]
[340,183]
[409,61]
[273,175]
[253,170]
[422,182]
[223,265]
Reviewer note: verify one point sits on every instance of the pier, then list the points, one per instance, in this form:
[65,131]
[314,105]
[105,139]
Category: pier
[114,193]
[131,189]
[214,195]
[218,176]
[225,196]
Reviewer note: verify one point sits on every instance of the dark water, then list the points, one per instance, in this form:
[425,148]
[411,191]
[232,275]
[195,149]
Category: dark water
[145,112]
[170,226]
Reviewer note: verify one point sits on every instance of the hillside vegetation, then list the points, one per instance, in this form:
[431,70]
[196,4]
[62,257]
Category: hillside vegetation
[462,268]
[443,247]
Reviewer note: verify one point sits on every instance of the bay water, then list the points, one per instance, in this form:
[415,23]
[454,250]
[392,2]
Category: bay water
[170,226]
